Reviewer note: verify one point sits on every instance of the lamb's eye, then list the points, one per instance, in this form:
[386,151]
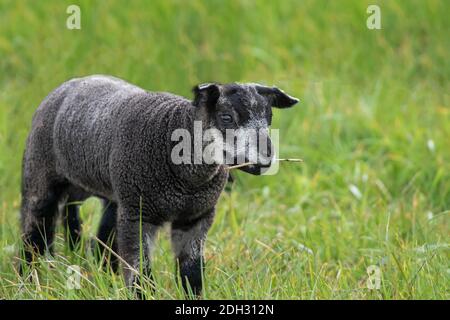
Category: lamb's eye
[226,118]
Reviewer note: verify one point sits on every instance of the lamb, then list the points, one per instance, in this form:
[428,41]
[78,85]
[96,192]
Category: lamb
[101,136]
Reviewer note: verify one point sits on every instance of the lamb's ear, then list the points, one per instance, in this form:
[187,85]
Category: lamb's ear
[206,94]
[277,97]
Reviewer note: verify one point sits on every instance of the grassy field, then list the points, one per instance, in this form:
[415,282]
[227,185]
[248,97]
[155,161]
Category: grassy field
[373,128]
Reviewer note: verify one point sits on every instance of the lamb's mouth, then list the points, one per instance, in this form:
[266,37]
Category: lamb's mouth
[255,169]
[250,167]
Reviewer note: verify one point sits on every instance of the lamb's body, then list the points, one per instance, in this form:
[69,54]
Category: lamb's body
[104,137]
[112,139]
[100,136]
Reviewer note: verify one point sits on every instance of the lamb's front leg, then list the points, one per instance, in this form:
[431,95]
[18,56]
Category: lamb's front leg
[135,242]
[187,242]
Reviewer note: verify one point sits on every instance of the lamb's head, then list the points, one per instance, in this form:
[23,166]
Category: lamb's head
[240,116]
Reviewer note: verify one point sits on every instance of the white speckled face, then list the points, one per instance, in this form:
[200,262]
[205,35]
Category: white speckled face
[243,116]
[242,113]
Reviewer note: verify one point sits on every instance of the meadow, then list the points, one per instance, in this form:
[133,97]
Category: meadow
[373,128]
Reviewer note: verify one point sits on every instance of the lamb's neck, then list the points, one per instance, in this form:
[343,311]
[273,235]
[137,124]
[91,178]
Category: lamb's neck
[196,172]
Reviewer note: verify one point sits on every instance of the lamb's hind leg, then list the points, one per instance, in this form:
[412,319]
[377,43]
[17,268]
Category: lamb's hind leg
[38,215]
[188,239]
[107,234]
[70,213]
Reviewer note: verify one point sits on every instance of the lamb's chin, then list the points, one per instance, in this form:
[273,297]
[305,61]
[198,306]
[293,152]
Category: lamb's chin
[256,170]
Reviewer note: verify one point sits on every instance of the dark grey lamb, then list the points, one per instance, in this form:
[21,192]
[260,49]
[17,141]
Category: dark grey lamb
[101,136]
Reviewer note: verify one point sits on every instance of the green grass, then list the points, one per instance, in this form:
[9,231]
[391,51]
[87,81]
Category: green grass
[373,128]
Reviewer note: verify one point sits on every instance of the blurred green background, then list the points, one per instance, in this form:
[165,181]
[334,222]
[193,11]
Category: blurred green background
[373,127]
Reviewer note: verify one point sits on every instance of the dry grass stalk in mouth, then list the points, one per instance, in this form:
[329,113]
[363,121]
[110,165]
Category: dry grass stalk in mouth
[249,163]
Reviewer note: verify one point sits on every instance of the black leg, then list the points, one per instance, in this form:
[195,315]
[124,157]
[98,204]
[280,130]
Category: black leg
[135,243]
[39,213]
[107,234]
[187,241]
[71,215]
[72,224]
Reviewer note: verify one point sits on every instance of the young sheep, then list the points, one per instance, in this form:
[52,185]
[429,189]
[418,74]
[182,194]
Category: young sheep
[101,136]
